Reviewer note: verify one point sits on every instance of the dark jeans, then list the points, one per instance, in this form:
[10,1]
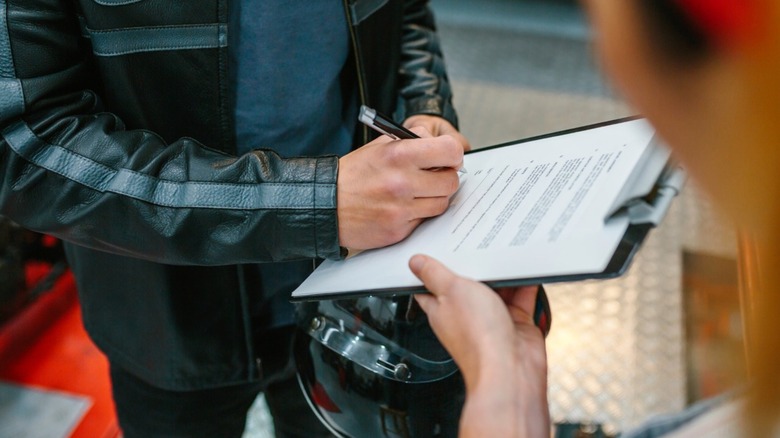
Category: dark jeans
[145,411]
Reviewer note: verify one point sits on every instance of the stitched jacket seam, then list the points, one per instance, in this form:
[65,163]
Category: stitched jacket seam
[38,156]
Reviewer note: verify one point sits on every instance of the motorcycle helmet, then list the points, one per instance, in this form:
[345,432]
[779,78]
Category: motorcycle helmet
[372,367]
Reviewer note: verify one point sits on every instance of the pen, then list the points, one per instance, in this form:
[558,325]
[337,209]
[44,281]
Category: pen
[385,125]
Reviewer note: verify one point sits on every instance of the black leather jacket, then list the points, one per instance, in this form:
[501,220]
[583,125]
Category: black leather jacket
[118,137]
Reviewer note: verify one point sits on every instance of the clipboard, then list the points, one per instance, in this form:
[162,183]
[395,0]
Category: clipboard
[640,203]
[646,211]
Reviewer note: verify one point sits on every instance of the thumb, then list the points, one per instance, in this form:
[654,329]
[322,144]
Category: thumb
[436,277]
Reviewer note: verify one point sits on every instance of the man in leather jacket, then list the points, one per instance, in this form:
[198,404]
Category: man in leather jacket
[122,133]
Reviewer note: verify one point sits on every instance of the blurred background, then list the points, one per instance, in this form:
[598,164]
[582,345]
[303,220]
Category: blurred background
[620,351]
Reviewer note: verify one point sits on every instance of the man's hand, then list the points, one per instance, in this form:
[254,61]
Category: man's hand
[437,126]
[497,347]
[386,188]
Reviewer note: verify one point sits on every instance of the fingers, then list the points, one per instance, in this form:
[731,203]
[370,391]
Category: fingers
[435,183]
[521,302]
[447,129]
[424,208]
[437,278]
[437,126]
[460,138]
[521,297]
[427,303]
[422,131]
[429,153]
[525,299]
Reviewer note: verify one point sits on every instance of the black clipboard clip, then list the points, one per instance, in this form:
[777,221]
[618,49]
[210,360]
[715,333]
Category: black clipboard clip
[652,187]
[652,208]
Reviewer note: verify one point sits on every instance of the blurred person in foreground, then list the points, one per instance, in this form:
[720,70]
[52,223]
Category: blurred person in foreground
[704,72]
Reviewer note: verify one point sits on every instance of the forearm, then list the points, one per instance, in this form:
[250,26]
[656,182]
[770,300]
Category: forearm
[506,394]
[176,204]
[492,402]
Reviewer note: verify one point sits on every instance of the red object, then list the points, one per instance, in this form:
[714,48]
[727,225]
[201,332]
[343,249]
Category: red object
[322,399]
[46,347]
[49,241]
[726,21]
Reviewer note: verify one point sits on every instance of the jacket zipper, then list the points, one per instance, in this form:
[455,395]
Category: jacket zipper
[358,64]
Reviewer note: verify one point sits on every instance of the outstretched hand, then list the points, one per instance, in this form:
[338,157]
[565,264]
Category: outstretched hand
[501,353]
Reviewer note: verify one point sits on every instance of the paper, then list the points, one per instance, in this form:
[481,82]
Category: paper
[528,210]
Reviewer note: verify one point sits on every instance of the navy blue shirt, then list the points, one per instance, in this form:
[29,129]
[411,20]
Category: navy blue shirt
[287,58]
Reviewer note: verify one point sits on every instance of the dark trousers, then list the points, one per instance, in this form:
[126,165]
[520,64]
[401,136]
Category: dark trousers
[145,411]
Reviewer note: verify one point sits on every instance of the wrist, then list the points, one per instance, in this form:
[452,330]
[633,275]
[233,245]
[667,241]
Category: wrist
[490,370]
[509,386]
[491,406]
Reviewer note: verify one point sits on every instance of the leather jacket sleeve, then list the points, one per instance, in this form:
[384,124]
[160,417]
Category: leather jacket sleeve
[71,169]
[425,87]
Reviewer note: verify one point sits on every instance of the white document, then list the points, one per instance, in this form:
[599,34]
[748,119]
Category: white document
[528,210]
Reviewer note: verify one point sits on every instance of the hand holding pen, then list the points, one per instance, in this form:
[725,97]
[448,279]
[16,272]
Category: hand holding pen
[386,188]
[386,126]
